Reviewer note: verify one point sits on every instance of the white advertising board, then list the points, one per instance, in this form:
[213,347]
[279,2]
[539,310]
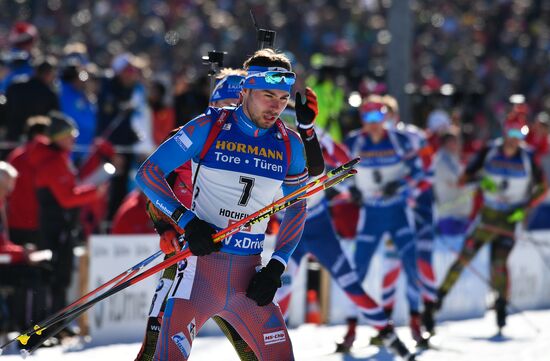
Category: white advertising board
[121,317]
[528,265]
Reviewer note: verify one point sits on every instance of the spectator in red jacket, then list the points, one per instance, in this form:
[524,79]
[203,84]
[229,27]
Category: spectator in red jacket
[59,199]
[22,206]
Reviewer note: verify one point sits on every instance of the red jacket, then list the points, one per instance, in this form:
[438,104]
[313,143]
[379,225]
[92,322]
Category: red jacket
[60,198]
[30,158]
[183,184]
[55,172]
[345,214]
[131,217]
[164,121]
[539,143]
[22,203]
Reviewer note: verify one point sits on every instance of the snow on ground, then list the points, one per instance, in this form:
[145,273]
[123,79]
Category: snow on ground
[526,338]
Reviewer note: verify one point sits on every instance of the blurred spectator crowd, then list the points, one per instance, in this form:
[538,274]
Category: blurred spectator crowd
[124,73]
[468,56]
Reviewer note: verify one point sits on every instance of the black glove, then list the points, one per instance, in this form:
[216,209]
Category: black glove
[198,234]
[264,284]
[391,188]
[356,195]
[306,111]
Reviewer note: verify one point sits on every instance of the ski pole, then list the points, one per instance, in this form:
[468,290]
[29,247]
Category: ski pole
[180,256]
[73,314]
[228,231]
[121,277]
[46,334]
[256,217]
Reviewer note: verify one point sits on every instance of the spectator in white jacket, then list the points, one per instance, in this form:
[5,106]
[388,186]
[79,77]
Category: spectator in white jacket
[453,202]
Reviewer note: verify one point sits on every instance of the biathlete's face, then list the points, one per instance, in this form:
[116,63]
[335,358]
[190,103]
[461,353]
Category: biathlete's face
[514,136]
[263,107]
[373,121]
[374,128]
[512,142]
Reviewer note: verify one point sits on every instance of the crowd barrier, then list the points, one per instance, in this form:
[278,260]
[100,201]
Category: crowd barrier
[122,317]
[471,295]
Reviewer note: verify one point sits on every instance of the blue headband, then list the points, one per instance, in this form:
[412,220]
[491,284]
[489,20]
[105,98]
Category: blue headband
[261,77]
[375,116]
[227,88]
[516,133]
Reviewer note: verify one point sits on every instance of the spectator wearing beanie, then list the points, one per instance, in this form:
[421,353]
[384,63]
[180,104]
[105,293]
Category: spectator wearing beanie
[59,199]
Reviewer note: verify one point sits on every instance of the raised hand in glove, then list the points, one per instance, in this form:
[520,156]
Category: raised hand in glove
[356,195]
[198,235]
[391,188]
[517,216]
[264,284]
[306,109]
[104,148]
[488,185]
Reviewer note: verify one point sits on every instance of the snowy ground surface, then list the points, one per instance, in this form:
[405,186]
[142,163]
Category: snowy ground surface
[526,338]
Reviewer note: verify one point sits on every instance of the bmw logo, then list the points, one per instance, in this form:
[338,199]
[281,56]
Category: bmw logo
[182,265]
[160,285]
